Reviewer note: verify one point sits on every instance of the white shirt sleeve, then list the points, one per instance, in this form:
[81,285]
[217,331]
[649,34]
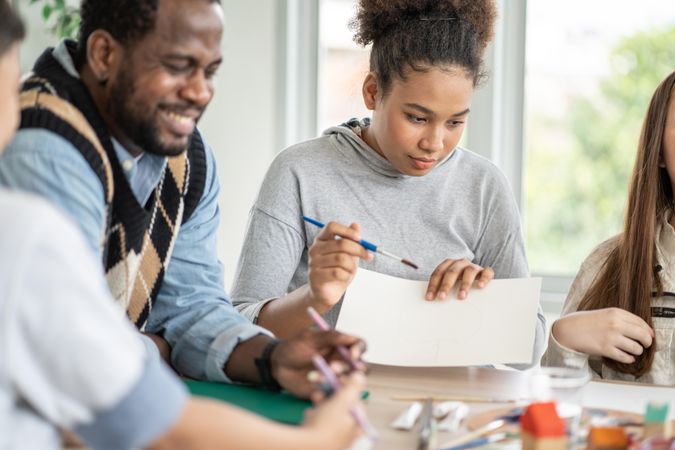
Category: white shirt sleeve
[70,351]
[556,354]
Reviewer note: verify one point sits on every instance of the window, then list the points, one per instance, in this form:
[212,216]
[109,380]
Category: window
[342,66]
[590,69]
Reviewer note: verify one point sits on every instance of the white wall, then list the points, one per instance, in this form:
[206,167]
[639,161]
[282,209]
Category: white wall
[38,35]
[240,123]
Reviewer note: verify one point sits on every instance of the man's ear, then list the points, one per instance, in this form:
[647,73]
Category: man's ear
[103,54]
[370,90]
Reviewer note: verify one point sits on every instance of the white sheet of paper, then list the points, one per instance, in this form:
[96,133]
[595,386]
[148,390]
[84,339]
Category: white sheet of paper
[494,325]
[631,397]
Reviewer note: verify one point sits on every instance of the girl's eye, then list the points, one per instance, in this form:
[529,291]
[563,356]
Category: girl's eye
[455,123]
[415,119]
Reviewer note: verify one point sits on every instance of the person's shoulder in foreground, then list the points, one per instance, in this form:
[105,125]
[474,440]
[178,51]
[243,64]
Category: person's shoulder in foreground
[58,372]
[58,319]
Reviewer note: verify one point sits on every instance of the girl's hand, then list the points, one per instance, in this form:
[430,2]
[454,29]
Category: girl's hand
[461,271]
[333,261]
[610,332]
[331,422]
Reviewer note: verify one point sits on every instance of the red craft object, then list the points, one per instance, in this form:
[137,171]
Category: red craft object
[542,420]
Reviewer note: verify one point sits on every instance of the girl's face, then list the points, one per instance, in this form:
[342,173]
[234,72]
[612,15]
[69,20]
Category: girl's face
[421,120]
[9,93]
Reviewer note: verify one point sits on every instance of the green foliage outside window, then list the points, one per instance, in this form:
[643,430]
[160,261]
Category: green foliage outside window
[578,179]
[62,18]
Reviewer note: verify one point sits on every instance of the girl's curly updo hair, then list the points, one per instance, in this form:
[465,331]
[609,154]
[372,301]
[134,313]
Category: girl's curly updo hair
[419,34]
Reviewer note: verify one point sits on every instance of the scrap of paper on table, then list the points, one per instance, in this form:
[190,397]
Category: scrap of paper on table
[626,396]
[493,325]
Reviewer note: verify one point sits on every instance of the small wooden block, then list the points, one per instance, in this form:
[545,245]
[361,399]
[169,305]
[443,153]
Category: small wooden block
[655,429]
[531,442]
[607,438]
[656,421]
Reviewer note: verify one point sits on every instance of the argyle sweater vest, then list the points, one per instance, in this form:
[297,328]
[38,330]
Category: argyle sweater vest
[138,240]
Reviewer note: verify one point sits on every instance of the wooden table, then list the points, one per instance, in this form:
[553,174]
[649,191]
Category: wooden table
[385,382]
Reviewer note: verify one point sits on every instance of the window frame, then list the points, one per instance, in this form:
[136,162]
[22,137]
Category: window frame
[497,125]
[298,50]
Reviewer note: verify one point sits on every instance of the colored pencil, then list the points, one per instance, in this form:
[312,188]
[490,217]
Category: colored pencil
[367,245]
[318,320]
[323,367]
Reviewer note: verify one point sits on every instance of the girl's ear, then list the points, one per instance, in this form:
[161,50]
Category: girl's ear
[370,90]
[662,162]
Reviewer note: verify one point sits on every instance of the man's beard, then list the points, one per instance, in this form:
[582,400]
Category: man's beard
[141,130]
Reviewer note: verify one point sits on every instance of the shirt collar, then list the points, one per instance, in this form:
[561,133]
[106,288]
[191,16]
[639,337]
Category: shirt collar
[143,172]
[666,235]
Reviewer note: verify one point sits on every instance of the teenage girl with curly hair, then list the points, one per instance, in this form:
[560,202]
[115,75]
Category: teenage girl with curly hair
[400,174]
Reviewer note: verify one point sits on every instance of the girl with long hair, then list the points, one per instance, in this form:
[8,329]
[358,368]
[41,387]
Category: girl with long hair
[619,317]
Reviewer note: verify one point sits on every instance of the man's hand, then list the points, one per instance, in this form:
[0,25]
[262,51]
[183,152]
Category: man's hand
[610,332]
[457,271]
[292,358]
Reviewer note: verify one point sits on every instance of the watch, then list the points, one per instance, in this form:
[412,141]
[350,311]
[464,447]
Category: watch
[264,366]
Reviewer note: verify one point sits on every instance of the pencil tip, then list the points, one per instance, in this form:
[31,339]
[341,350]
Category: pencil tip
[408,263]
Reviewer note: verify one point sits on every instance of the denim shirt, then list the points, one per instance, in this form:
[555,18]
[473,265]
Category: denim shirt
[192,308]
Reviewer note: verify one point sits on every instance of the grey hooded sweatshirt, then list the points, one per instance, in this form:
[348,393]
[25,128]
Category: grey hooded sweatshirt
[463,208]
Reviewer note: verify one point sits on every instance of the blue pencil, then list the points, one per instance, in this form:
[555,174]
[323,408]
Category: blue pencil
[368,245]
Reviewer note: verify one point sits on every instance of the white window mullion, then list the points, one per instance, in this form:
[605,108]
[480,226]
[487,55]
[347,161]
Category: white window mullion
[496,129]
[496,126]
[298,58]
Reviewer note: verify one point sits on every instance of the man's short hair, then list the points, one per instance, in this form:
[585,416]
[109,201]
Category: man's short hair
[126,20]
[11,27]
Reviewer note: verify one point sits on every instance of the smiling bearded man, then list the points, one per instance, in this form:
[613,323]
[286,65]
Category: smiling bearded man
[108,133]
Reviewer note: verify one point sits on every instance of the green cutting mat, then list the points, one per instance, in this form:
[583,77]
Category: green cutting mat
[281,407]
